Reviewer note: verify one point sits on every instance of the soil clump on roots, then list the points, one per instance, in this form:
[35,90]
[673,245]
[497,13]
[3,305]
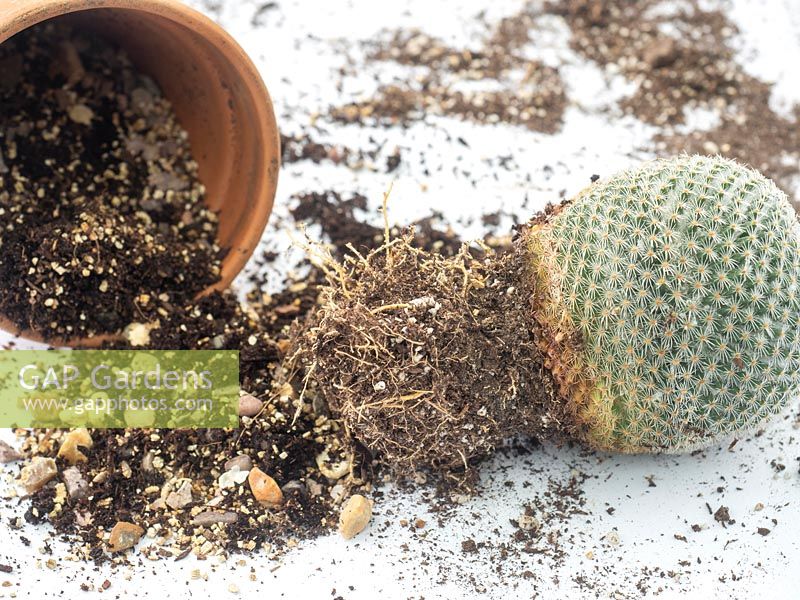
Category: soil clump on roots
[430,361]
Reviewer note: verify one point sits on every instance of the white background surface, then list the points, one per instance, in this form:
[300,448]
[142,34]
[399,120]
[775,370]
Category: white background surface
[299,49]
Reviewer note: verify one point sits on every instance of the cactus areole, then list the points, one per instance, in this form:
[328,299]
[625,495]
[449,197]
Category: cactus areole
[656,311]
[669,302]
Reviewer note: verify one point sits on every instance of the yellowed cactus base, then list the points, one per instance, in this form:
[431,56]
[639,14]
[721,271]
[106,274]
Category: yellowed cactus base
[581,384]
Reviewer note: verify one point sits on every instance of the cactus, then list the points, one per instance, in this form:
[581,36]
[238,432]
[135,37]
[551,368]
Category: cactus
[658,311]
[669,303]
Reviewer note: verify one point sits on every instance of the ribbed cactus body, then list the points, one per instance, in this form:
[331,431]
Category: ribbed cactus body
[670,303]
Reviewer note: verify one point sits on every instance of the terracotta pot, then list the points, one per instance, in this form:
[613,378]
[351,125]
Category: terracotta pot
[217,94]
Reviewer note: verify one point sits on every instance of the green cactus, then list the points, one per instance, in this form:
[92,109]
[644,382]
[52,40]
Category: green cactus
[659,310]
[669,302]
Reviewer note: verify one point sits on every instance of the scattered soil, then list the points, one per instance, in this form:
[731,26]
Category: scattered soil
[102,219]
[681,59]
[303,147]
[538,529]
[337,218]
[752,133]
[342,221]
[687,68]
[530,93]
[693,66]
[128,471]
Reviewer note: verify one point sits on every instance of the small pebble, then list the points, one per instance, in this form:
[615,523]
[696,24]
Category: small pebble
[662,52]
[70,63]
[138,334]
[331,469]
[264,488]
[215,516]
[147,462]
[81,114]
[35,475]
[124,535]
[8,454]
[355,516]
[294,486]
[77,486]
[319,406]
[241,462]
[232,478]
[249,405]
[77,438]
[181,495]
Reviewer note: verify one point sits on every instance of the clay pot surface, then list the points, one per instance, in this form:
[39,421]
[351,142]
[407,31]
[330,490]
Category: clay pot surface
[218,96]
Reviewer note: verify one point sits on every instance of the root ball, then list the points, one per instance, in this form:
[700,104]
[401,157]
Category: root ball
[430,361]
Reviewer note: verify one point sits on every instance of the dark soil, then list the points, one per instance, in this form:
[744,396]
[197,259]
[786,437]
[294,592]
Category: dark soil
[300,148]
[284,441]
[123,493]
[343,222]
[102,220]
